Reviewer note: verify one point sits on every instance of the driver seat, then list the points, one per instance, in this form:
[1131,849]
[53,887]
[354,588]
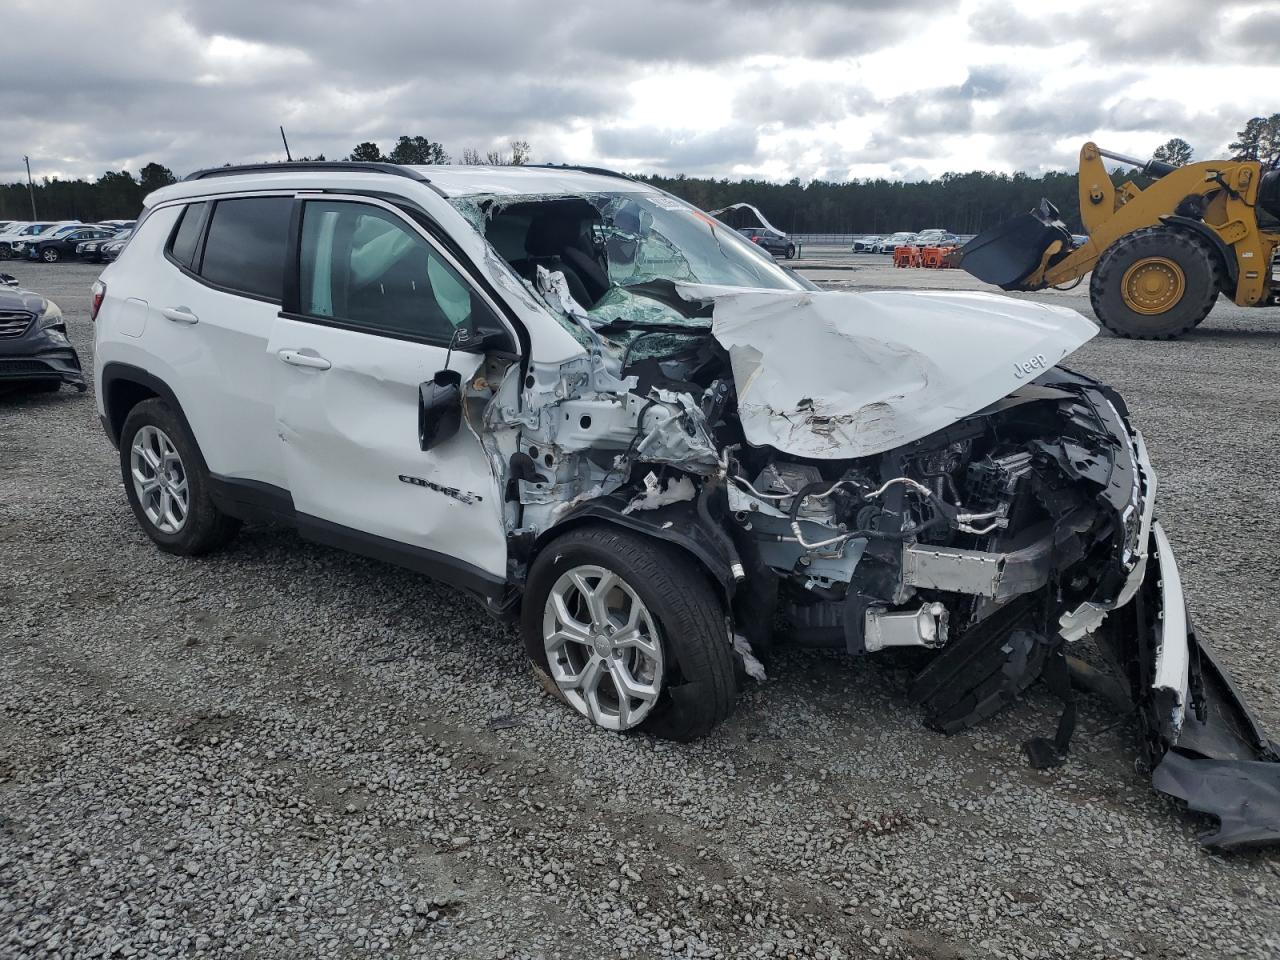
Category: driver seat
[552,242]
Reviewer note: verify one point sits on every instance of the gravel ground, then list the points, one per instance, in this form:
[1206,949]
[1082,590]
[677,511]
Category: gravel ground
[283,750]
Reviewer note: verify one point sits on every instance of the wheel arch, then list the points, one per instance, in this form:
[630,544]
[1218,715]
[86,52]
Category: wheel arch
[1230,267]
[678,524]
[124,386]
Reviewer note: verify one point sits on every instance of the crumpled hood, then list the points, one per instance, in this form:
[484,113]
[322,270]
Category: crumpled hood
[835,375]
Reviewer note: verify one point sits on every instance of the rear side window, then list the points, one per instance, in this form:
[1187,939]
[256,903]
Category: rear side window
[182,246]
[244,249]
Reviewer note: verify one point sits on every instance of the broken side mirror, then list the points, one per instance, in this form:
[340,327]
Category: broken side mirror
[482,332]
[439,408]
[469,340]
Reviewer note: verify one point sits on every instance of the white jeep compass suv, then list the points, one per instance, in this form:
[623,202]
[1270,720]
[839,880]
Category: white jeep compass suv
[607,413]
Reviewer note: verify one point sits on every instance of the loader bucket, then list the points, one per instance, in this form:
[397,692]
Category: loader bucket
[1006,254]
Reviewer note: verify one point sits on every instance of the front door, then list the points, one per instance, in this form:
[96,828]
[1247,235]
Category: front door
[378,305]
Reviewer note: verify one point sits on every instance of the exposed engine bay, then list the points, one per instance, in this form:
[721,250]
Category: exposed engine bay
[862,472]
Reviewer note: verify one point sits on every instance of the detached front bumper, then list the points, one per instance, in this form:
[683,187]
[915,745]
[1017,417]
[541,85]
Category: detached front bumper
[1207,748]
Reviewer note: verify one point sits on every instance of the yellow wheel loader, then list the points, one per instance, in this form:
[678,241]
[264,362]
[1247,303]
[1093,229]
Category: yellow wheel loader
[1160,254]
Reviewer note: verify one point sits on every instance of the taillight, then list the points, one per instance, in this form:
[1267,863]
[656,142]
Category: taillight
[99,290]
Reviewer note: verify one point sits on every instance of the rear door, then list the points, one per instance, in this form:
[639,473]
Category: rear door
[215,314]
[377,306]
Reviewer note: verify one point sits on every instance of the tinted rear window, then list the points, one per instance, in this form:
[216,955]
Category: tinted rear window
[183,245]
[245,246]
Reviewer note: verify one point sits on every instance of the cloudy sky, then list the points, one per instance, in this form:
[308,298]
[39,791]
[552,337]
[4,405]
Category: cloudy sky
[903,89]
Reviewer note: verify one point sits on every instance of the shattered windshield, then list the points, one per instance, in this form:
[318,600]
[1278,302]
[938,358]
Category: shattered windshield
[622,253]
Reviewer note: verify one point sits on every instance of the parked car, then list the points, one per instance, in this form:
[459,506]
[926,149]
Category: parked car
[110,249]
[942,239]
[22,231]
[20,246]
[62,245]
[778,244]
[34,349]
[866,244]
[578,398]
[118,224]
[893,241]
[92,250]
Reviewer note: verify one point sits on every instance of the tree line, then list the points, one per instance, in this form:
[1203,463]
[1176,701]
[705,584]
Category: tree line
[116,195]
[960,202]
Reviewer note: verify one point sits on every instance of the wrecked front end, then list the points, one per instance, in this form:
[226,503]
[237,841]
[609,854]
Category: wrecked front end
[886,471]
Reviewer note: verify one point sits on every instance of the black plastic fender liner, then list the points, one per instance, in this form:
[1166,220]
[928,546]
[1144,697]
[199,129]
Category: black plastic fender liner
[986,669]
[1243,794]
[1222,763]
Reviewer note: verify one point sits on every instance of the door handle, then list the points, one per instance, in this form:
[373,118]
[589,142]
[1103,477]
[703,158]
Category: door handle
[299,359]
[179,315]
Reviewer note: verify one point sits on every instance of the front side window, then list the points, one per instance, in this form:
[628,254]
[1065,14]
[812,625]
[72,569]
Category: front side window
[244,249]
[362,266]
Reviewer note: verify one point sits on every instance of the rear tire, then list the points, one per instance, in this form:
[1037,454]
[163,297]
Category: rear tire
[50,255]
[1155,284]
[695,668]
[203,526]
[790,252]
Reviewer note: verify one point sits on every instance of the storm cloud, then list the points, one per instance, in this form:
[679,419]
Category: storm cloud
[808,88]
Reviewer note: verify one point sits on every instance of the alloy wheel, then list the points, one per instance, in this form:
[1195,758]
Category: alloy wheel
[159,479]
[603,647]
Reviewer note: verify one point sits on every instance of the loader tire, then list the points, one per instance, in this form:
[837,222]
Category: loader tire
[1155,284]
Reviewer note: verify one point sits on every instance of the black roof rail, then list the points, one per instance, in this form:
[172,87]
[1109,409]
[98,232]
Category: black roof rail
[600,171]
[295,166]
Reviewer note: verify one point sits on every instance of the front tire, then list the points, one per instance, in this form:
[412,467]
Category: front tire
[50,255]
[1155,284]
[167,483]
[629,632]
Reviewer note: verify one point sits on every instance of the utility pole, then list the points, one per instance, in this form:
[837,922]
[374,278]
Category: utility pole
[287,155]
[31,189]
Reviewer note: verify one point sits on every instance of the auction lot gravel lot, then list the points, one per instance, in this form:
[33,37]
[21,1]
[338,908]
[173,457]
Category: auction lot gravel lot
[282,750]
